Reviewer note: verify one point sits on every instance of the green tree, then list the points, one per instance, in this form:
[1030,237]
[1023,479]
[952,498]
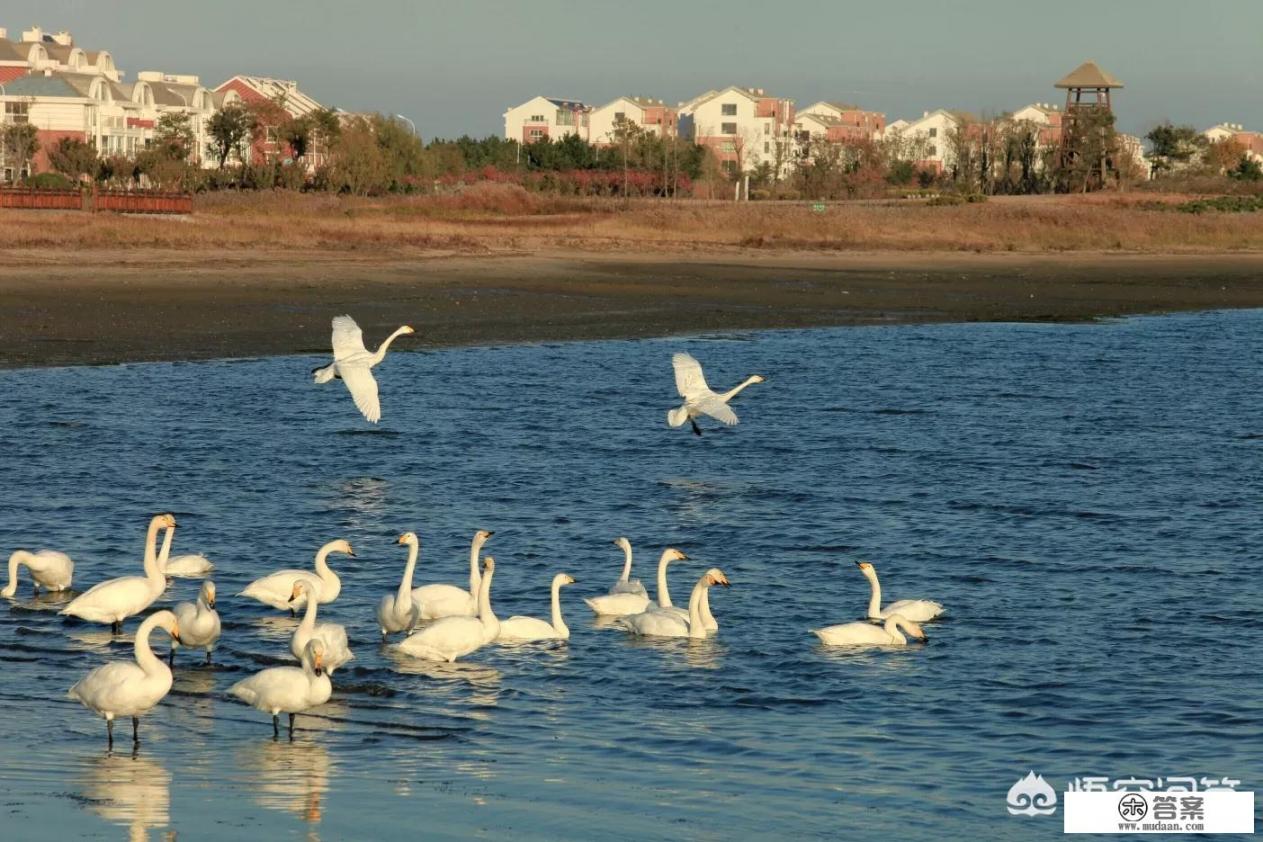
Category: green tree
[173,136]
[230,129]
[1089,148]
[1174,147]
[74,158]
[20,142]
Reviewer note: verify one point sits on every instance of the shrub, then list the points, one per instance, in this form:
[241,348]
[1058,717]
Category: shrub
[50,181]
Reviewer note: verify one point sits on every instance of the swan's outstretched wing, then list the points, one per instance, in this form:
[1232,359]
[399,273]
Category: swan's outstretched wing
[363,388]
[717,409]
[348,339]
[688,376]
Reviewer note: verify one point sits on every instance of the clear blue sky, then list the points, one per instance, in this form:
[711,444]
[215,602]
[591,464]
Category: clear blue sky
[455,66]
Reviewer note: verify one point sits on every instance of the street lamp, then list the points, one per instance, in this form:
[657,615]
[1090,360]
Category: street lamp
[410,123]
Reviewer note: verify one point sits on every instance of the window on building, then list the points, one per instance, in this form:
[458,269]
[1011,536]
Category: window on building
[564,117]
[729,109]
[933,132]
[729,147]
[619,116]
[728,128]
[767,147]
[17,112]
[536,134]
[536,118]
[730,167]
[933,150]
[767,128]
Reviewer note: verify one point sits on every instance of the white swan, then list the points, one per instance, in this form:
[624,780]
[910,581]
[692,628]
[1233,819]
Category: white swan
[699,399]
[625,583]
[288,689]
[438,601]
[657,623]
[199,623]
[353,363]
[623,604]
[129,688]
[916,610]
[50,570]
[867,634]
[527,629]
[114,600]
[399,612]
[332,636]
[276,589]
[190,566]
[454,637]
[708,619]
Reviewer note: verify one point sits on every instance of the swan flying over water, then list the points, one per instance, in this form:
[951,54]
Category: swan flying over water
[353,364]
[699,398]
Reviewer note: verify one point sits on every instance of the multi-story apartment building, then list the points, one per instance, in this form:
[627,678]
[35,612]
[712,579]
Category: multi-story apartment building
[743,127]
[930,137]
[543,117]
[648,115]
[1250,142]
[845,122]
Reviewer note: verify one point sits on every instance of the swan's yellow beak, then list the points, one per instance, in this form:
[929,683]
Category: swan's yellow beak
[175,632]
[317,664]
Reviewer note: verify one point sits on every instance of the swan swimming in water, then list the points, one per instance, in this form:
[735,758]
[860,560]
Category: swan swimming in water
[527,629]
[50,570]
[454,637]
[276,589]
[189,566]
[916,610]
[129,688]
[623,604]
[867,634]
[288,689]
[399,612]
[699,398]
[658,623]
[353,364]
[332,636]
[441,600]
[199,623]
[114,600]
[625,583]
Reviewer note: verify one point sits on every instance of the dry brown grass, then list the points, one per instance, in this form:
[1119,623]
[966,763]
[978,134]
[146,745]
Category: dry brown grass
[496,218]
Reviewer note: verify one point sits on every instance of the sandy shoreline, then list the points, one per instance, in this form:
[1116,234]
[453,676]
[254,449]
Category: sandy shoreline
[137,305]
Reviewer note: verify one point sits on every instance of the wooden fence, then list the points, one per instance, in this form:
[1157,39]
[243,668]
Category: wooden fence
[118,201]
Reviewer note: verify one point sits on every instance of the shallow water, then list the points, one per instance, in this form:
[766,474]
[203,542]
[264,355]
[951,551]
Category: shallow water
[1083,498]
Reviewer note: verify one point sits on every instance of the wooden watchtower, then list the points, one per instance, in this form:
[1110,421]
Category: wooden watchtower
[1087,90]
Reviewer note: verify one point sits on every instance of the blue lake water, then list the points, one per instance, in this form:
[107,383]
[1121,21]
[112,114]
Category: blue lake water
[1085,499]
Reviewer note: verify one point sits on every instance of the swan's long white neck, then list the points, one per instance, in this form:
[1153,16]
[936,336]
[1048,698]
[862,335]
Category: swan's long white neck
[385,346]
[704,608]
[736,390]
[15,561]
[874,597]
[405,584]
[559,625]
[696,629]
[323,571]
[490,623]
[627,562]
[308,625]
[165,552]
[153,570]
[664,595]
[148,661]
[475,575]
[892,629]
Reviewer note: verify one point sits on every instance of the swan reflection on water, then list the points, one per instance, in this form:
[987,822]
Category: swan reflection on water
[131,791]
[42,601]
[289,777]
[697,653]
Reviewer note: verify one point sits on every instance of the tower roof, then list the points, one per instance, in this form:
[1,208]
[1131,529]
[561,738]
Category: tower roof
[1088,75]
